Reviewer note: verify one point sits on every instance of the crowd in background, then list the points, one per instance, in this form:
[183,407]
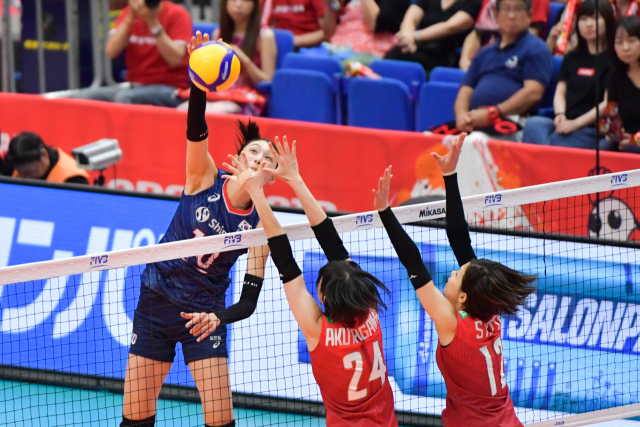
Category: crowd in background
[506,47]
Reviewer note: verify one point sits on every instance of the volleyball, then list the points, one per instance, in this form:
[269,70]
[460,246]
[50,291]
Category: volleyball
[214,66]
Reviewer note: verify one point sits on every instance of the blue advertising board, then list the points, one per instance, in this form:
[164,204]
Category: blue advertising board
[573,348]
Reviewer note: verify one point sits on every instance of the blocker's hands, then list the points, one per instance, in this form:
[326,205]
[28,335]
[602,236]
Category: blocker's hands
[252,181]
[197,41]
[287,169]
[449,162]
[201,324]
[381,199]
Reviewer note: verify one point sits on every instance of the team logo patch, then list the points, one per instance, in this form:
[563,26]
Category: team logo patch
[463,314]
[202,214]
[214,198]
[217,339]
[134,338]
[244,226]
[586,72]
[512,62]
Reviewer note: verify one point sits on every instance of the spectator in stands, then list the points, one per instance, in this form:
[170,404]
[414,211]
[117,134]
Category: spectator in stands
[581,71]
[240,26]
[626,8]
[155,35]
[486,30]
[29,157]
[443,27]
[306,19]
[369,26]
[623,87]
[508,77]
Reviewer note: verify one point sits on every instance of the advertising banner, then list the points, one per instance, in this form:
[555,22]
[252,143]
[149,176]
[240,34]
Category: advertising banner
[573,348]
[340,164]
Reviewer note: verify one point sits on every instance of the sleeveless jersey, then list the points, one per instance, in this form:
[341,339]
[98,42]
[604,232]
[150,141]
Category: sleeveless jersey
[349,367]
[472,367]
[199,283]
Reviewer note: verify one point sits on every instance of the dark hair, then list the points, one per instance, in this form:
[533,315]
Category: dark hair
[631,24]
[527,3]
[588,8]
[250,40]
[25,147]
[152,4]
[494,289]
[249,132]
[350,293]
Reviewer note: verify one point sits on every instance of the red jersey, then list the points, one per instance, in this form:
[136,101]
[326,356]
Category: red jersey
[145,64]
[297,16]
[349,367]
[477,392]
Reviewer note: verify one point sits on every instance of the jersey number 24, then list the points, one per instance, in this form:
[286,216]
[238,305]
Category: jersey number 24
[378,370]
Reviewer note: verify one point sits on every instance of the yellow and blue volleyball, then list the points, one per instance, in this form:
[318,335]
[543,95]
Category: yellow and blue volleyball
[214,66]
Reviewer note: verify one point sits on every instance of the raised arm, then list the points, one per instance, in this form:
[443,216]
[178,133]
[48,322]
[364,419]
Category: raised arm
[457,227]
[433,301]
[201,169]
[304,308]
[322,225]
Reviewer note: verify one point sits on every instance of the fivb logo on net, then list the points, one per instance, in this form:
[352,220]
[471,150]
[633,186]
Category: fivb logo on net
[56,298]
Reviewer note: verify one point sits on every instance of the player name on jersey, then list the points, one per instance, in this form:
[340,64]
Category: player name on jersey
[348,336]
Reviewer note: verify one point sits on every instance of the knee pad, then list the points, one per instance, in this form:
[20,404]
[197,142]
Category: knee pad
[147,422]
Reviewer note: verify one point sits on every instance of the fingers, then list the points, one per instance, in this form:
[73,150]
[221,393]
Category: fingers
[261,167]
[206,38]
[195,318]
[273,172]
[286,144]
[279,146]
[190,315]
[236,162]
[293,147]
[231,168]
[230,177]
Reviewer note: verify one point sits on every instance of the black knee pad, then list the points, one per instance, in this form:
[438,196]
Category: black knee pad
[231,424]
[147,422]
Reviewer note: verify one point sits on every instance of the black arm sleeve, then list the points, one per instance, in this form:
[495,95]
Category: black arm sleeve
[196,124]
[247,304]
[282,257]
[407,251]
[457,227]
[330,241]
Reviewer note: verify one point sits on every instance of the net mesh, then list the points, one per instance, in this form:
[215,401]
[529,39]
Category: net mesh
[573,349]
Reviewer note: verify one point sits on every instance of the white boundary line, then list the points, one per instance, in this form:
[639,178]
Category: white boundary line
[344,224]
[587,418]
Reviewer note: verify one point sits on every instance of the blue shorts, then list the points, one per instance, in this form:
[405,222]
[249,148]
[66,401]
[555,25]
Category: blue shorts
[158,327]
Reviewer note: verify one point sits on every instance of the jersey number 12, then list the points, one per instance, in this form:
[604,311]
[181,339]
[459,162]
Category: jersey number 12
[378,370]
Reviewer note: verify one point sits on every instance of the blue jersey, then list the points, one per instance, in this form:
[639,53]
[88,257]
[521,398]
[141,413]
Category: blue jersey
[199,283]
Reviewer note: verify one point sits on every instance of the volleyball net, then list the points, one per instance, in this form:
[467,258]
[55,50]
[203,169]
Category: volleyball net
[570,355]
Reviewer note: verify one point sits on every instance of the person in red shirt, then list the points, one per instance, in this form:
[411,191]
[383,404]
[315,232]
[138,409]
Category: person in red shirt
[304,18]
[155,35]
[486,30]
[467,315]
[345,342]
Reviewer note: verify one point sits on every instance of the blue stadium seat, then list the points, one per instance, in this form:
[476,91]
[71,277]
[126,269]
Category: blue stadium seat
[555,8]
[284,40]
[435,105]
[410,73]
[327,65]
[446,74]
[547,98]
[305,95]
[205,28]
[380,104]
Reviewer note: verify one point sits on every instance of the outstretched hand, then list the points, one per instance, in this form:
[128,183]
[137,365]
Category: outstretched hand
[201,324]
[449,162]
[196,41]
[287,169]
[252,182]
[381,200]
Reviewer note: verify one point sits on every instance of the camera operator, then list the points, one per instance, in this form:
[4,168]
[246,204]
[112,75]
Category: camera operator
[29,157]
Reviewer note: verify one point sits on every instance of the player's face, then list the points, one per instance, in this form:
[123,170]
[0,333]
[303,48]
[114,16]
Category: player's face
[258,152]
[452,289]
